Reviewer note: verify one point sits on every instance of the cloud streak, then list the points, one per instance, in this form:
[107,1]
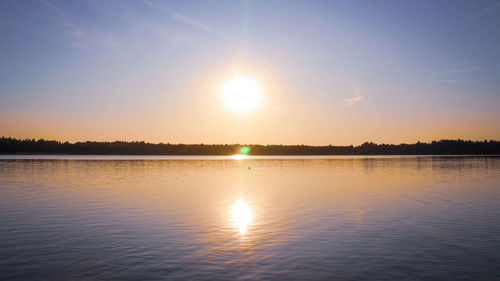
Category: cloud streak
[82,37]
[183,18]
[85,37]
[457,81]
[352,101]
[54,8]
[464,69]
[358,97]
[180,17]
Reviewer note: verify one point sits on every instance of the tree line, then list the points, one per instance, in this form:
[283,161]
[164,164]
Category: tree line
[441,147]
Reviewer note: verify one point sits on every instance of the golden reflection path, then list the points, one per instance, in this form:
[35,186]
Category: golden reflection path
[241,215]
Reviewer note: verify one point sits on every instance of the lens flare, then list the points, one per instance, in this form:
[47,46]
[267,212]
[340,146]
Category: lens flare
[244,150]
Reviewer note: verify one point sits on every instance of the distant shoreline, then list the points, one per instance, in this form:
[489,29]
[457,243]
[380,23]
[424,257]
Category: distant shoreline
[250,155]
[12,146]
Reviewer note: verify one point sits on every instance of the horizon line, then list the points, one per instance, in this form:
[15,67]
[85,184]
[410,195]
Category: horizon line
[248,144]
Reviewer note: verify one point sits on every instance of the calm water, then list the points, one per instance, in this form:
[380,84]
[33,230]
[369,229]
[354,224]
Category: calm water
[310,218]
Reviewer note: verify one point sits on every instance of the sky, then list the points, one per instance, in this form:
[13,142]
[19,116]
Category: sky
[330,72]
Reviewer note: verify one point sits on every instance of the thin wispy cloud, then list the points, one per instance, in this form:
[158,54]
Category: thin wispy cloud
[147,3]
[176,16]
[357,98]
[354,100]
[54,8]
[459,74]
[82,37]
[180,17]
[136,15]
[129,14]
[464,69]
[189,20]
[457,81]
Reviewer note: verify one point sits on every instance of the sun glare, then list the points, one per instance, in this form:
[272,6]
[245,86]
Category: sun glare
[241,94]
[241,215]
[239,156]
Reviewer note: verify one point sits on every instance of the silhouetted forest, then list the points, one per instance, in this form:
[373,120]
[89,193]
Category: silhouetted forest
[442,147]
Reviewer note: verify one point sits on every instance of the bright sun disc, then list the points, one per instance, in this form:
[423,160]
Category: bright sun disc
[241,94]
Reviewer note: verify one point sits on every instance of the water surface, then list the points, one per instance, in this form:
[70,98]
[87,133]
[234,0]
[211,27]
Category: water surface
[280,218]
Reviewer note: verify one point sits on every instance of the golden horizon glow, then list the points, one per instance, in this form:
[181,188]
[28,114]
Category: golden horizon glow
[241,94]
[241,215]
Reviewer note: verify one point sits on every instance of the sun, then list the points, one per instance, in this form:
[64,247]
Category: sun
[241,94]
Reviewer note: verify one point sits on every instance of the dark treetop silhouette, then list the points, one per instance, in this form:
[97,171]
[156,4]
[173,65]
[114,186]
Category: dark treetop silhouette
[442,147]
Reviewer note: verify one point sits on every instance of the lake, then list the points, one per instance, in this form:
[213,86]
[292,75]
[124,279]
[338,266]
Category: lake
[271,218]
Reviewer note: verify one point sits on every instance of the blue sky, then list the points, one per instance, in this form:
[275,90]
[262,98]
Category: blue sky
[332,72]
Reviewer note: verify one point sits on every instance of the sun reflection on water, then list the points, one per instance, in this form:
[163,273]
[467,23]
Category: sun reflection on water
[241,215]
[239,156]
